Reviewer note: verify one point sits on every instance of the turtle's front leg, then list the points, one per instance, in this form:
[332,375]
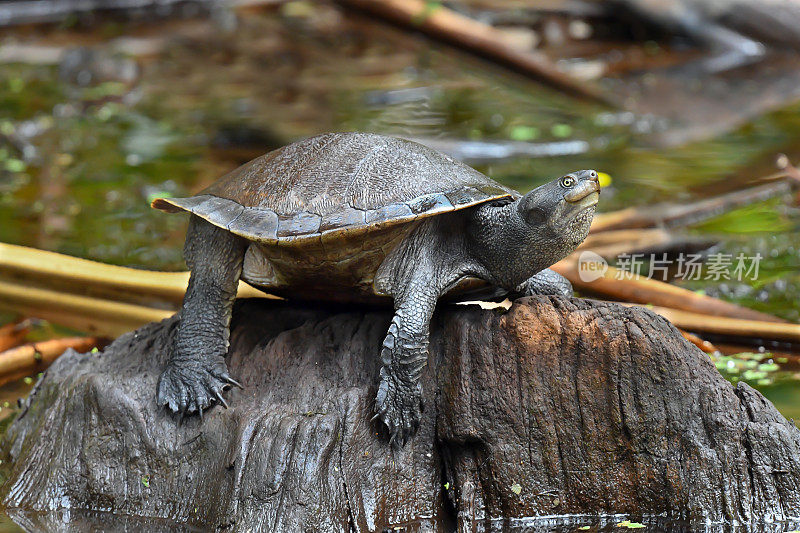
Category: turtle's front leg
[545,282]
[196,374]
[404,354]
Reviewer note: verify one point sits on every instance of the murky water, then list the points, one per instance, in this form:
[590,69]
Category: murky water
[80,164]
[77,520]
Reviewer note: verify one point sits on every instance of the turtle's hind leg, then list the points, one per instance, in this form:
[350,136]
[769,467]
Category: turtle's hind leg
[196,374]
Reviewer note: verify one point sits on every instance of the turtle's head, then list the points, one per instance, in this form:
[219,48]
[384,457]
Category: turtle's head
[518,239]
[562,209]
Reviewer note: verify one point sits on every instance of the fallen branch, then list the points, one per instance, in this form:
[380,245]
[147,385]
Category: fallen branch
[28,359]
[611,244]
[13,334]
[631,236]
[112,318]
[445,24]
[672,215]
[704,345]
[729,327]
[63,273]
[100,317]
[629,287]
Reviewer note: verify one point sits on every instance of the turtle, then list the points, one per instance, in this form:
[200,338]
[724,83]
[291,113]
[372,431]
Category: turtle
[360,217]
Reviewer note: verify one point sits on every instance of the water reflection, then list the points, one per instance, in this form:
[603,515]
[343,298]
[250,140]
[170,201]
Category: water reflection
[91,521]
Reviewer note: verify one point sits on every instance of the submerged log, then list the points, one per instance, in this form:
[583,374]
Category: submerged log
[557,406]
[445,24]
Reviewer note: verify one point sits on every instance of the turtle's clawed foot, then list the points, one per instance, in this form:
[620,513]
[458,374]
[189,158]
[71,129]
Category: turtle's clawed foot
[190,386]
[398,406]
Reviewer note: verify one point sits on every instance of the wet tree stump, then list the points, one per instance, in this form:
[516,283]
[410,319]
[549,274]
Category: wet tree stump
[557,406]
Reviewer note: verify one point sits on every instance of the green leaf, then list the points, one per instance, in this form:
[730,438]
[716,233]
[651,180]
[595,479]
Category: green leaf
[16,85]
[524,133]
[15,165]
[561,130]
[752,375]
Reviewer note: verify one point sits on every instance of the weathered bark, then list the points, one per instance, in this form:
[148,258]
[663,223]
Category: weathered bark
[557,406]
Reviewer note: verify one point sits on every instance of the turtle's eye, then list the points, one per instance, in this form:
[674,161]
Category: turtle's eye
[567,182]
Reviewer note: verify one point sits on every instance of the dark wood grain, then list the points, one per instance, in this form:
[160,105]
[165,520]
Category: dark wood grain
[557,406]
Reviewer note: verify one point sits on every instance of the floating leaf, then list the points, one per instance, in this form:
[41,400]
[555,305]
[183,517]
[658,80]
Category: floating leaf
[753,375]
[104,90]
[516,488]
[524,133]
[561,130]
[16,85]
[630,525]
[15,165]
